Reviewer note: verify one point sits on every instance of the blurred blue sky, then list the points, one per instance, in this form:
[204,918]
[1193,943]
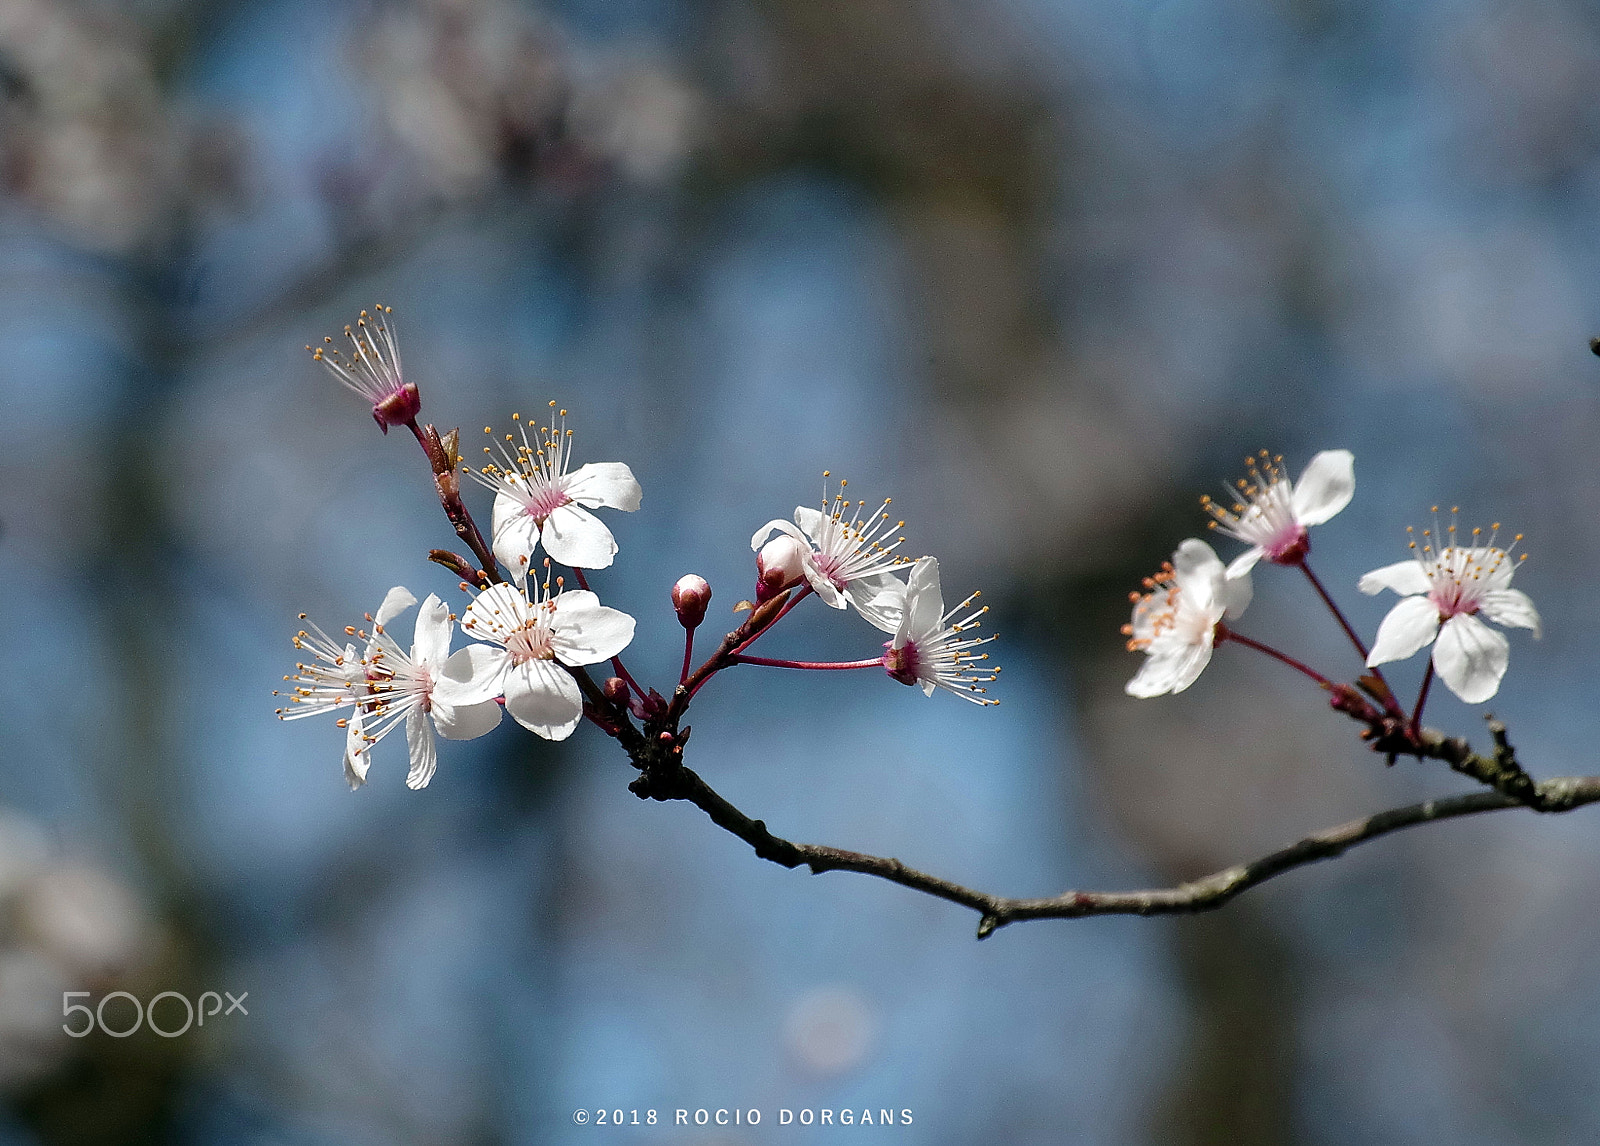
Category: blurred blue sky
[1304,225]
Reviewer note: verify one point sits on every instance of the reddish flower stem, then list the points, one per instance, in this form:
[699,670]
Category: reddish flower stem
[616,662]
[784,612]
[1349,630]
[740,659]
[1226,634]
[447,483]
[688,654]
[1422,698]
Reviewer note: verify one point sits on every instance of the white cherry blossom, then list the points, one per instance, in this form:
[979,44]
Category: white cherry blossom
[846,560]
[533,639]
[1175,621]
[1271,513]
[372,369]
[537,502]
[929,649]
[1444,588]
[387,685]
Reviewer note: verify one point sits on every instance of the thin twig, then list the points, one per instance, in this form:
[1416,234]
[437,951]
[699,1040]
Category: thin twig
[1204,894]
[663,777]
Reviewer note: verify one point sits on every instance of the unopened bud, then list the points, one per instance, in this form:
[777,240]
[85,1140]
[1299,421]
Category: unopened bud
[778,566]
[615,690]
[690,596]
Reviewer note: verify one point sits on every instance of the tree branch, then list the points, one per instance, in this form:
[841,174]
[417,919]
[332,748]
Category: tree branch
[1204,894]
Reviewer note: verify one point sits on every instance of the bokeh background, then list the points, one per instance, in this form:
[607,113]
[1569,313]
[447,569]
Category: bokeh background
[1042,270]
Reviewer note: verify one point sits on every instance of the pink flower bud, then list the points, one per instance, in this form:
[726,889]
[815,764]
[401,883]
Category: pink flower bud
[690,596]
[778,566]
[615,690]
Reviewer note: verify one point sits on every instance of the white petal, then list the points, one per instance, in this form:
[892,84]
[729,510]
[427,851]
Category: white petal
[356,753]
[1471,658]
[821,584]
[395,602]
[465,721]
[471,675]
[609,484]
[1513,608]
[1241,565]
[542,698]
[777,524]
[1405,577]
[881,599]
[1497,568]
[516,536]
[1198,573]
[585,632]
[1326,487]
[1236,593]
[1410,625]
[499,608]
[431,645]
[574,536]
[424,749]
[924,602]
[1172,666]
[809,520]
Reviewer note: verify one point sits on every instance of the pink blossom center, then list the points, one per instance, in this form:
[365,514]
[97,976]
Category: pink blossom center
[1287,544]
[543,501]
[902,663]
[828,565]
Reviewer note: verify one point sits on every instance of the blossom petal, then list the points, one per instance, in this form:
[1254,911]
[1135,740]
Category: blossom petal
[1171,666]
[924,609]
[1471,658]
[424,749]
[471,675]
[499,608]
[1496,570]
[1241,565]
[516,535]
[1511,607]
[544,699]
[585,632]
[1198,573]
[1237,591]
[1408,578]
[395,602]
[574,536]
[881,599]
[777,524]
[465,721]
[431,644]
[608,484]
[356,758]
[1411,624]
[810,521]
[1326,487]
[821,584]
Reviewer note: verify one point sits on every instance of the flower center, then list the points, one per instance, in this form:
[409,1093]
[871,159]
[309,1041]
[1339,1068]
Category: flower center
[543,500]
[828,564]
[1263,514]
[902,663]
[530,643]
[1155,611]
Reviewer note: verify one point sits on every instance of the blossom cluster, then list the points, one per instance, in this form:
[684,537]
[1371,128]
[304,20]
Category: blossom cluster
[1452,582]
[531,638]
